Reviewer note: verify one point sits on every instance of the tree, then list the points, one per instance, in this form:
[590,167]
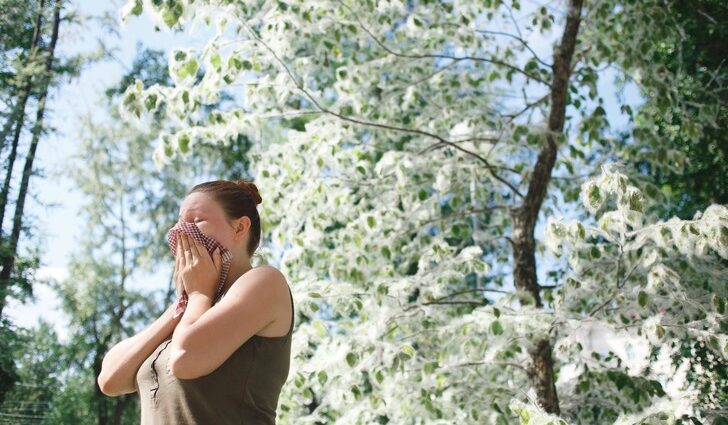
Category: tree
[39,355]
[17,87]
[699,53]
[434,134]
[30,70]
[8,257]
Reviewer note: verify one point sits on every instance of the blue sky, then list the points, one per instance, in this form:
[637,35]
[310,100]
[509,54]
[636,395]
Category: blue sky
[72,100]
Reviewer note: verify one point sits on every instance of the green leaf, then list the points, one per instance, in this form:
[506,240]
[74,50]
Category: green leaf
[719,304]
[137,9]
[642,298]
[496,327]
[172,14]
[183,142]
[190,68]
[216,61]
[319,327]
[430,366]
[594,195]
[150,102]
[595,252]
[314,295]
[379,376]
[371,221]
[407,349]
[351,359]
[635,202]
[169,18]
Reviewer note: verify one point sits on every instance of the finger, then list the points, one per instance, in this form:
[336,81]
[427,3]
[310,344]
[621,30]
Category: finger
[186,249]
[196,248]
[177,266]
[217,259]
[179,259]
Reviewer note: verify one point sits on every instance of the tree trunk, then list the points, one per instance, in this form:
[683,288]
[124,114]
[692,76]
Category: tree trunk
[119,406]
[9,259]
[17,117]
[102,417]
[541,372]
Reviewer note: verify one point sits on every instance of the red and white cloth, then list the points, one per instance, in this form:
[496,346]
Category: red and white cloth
[193,231]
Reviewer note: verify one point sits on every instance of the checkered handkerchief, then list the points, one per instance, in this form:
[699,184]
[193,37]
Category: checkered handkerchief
[193,231]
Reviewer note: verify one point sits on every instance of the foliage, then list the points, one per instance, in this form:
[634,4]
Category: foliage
[655,286]
[38,356]
[696,52]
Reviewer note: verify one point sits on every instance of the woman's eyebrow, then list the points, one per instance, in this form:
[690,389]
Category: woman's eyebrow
[180,215]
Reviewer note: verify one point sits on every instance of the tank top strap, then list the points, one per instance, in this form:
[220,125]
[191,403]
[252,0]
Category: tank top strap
[293,312]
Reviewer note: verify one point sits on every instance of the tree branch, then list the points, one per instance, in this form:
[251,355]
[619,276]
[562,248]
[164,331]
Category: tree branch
[374,124]
[528,106]
[438,56]
[497,363]
[523,42]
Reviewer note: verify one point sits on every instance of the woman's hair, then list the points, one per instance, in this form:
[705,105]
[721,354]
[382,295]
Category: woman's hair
[238,198]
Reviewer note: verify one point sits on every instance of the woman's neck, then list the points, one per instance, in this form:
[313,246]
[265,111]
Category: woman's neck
[238,267]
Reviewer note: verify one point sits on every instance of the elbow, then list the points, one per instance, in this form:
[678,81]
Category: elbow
[106,385]
[114,383]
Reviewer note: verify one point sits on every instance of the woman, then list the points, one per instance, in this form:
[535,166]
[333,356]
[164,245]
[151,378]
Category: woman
[221,353]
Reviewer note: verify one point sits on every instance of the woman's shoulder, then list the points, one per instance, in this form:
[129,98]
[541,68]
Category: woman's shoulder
[266,278]
[270,272]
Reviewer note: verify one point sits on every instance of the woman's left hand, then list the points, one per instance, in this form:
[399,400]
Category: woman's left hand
[198,271]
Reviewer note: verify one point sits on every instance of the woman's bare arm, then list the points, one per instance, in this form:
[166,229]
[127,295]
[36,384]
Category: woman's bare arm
[121,363]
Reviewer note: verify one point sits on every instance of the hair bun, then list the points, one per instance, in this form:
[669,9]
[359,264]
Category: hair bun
[252,190]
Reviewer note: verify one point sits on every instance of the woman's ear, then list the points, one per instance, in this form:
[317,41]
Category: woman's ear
[241,226]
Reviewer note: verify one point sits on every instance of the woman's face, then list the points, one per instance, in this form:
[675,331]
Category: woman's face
[200,208]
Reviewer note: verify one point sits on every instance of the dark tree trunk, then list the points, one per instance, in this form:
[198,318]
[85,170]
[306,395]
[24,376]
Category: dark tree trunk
[9,258]
[119,406]
[16,118]
[541,371]
[102,417]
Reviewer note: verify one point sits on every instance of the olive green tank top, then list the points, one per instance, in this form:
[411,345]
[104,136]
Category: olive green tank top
[242,390]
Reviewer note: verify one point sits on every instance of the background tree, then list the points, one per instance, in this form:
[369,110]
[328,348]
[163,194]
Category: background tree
[29,69]
[38,356]
[698,51]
